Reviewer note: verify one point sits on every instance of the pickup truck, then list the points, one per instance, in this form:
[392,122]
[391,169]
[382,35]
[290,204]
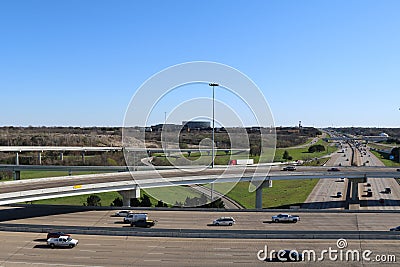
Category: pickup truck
[62,241]
[143,223]
[285,218]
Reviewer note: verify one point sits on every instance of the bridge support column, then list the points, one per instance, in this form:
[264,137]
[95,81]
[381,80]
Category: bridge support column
[354,187]
[212,191]
[17,159]
[40,158]
[267,183]
[17,175]
[127,195]
[354,191]
[61,156]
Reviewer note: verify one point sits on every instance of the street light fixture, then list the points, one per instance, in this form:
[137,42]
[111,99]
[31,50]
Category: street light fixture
[213,122]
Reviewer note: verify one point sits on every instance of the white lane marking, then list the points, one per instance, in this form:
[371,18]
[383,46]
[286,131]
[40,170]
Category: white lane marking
[222,248]
[155,253]
[88,250]
[151,260]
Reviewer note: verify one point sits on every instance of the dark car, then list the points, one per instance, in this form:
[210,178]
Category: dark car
[387,190]
[288,255]
[289,168]
[56,234]
[334,170]
[381,200]
[396,229]
[144,223]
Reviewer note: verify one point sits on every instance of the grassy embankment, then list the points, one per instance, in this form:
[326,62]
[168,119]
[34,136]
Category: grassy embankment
[385,160]
[107,197]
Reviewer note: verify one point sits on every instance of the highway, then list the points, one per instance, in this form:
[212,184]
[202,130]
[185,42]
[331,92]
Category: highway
[200,220]
[34,189]
[324,194]
[29,249]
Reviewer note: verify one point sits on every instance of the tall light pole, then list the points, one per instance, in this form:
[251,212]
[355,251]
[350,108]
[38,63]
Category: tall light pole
[213,122]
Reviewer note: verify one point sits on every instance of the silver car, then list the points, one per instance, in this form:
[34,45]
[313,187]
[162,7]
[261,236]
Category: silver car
[224,221]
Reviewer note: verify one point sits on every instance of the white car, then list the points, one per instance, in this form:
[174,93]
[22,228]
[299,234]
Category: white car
[62,241]
[285,218]
[224,221]
[122,213]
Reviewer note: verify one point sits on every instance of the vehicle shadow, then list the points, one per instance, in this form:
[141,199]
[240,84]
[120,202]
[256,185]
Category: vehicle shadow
[120,222]
[37,211]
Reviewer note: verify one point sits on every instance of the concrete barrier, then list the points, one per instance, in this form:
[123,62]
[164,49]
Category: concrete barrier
[208,233]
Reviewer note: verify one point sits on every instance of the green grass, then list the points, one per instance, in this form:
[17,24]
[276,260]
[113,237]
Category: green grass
[302,153]
[387,162]
[106,199]
[282,194]
[167,194]
[172,194]
[223,159]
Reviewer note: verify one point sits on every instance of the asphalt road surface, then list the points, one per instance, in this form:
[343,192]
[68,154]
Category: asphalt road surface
[324,194]
[29,249]
[171,219]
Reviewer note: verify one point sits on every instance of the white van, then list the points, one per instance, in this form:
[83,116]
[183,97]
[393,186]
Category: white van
[135,217]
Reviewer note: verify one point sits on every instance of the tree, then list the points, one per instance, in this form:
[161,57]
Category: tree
[117,202]
[134,202]
[316,148]
[145,201]
[396,153]
[285,155]
[218,203]
[161,204]
[93,200]
[255,150]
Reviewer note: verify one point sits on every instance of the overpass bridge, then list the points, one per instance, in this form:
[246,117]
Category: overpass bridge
[84,149]
[46,188]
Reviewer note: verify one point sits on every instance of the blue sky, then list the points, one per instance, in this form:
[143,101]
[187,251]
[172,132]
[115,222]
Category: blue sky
[78,63]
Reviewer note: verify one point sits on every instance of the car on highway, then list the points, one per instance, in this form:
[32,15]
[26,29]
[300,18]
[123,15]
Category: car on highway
[144,223]
[398,170]
[56,234]
[381,200]
[339,194]
[395,229]
[289,168]
[284,255]
[387,190]
[133,217]
[284,217]
[368,185]
[333,170]
[224,221]
[122,213]
[62,241]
